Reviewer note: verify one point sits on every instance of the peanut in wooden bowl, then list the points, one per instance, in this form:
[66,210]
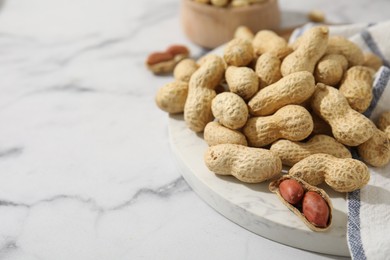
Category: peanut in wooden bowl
[210,26]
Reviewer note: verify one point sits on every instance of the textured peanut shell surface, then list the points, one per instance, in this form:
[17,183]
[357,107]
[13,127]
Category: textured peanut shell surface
[219,3]
[372,61]
[343,46]
[230,110]
[240,3]
[238,52]
[242,80]
[247,164]
[215,133]
[341,174]
[184,70]
[268,69]
[384,123]
[349,127]
[376,150]
[311,48]
[197,109]
[210,72]
[266,41]
[357,87]
[292,152]
[244,33]
[316,16]
[274,187]
[292,89]
[171,98]
[330,69]
[291,122]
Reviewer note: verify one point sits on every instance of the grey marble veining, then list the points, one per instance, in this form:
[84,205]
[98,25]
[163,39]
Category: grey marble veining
[86,167]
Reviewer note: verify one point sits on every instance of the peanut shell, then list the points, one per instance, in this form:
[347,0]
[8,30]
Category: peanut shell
[247,164]
[292,152]
[243,81]
[215,133]
[292,89]
[341,174]
[274,187]
[291,122]
[230,110]
[238,52]
[172,97]
[349,127]
[376,150]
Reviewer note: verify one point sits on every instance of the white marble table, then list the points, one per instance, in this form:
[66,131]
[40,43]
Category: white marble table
[85,163]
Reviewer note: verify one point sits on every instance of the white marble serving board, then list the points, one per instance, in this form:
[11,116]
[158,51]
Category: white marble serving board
[253,206]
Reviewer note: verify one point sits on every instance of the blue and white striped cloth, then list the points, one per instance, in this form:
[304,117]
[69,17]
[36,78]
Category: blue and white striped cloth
[368,230]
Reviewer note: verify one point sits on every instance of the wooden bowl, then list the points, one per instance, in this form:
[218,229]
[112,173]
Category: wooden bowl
[210,26]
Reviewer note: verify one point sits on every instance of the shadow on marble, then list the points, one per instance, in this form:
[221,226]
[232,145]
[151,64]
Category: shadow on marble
[167,75]
[200,135]
[176,117]
[338,215]
[258,187]
[332,256]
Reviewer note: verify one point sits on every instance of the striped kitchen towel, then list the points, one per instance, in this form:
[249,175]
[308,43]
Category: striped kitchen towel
[368,230]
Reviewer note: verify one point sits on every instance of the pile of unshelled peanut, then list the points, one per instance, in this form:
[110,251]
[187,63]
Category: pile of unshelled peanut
[230,3]
[299,105]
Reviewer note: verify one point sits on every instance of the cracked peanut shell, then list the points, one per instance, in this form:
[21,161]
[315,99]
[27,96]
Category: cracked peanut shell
[274,187]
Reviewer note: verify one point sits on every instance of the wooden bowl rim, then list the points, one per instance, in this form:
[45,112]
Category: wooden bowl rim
[239,10]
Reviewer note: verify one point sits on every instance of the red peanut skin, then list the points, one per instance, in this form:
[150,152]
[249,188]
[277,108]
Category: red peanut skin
[157,57]
[291,191]
[315,209]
